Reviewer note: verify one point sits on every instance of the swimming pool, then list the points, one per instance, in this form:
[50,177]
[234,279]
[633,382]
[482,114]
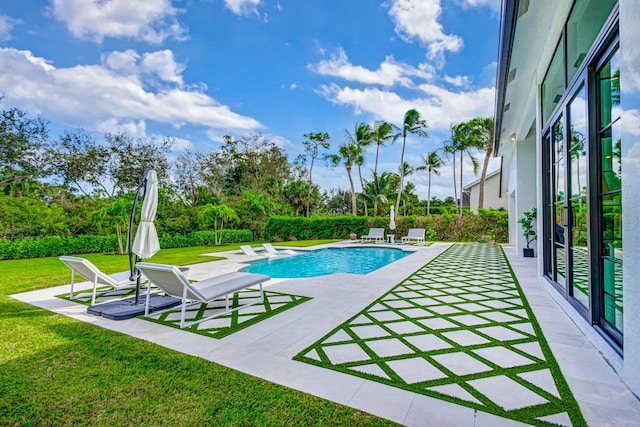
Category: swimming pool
[321,262]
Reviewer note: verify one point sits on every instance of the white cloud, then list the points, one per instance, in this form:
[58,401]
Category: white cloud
[419,19]
[494,5]
[179,144]
[439,106]
[152,21]
[6,26]
[457,80]
[97,96]
[243,7]
[388,74]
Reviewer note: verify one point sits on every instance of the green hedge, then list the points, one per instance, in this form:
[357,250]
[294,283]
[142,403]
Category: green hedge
[57,246]
[446,227]
[299,228]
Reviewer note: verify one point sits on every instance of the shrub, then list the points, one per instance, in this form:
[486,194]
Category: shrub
[31,247]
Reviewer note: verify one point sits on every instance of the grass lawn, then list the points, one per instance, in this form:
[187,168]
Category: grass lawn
[55,370]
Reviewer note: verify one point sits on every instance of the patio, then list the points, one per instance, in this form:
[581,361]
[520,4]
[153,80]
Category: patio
[387,318]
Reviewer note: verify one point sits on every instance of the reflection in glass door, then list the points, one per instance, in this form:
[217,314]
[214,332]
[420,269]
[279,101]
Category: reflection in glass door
[559,209]
[578,249]
[610,195]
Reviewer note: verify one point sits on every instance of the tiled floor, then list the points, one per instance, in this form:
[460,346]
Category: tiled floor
[267,349]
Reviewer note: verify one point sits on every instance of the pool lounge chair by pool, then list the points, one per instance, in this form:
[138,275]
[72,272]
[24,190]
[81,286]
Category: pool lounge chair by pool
[85,268]
[171,280]
[414,235]
[270,249]
[248,250]
[375,234]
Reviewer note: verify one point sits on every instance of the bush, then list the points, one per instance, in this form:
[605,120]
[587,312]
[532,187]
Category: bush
[300,228]
[446,227]
[49,246]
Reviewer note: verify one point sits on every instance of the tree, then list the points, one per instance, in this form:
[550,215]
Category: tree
[432,164]
[466,136]
[253,163]
[379,190]
[360,139]
[79,161]
[314,145]
[299,195]
[22,143]
[487,128]
[350,154]
[216,214]
[449,147]
[113,215]
[382,133]
[198,177]
[412,124]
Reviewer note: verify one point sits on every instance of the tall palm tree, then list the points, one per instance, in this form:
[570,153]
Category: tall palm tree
[382,133]
[432,164]
[486,127]
[467,137]
[361,138]
[450,148]
[350,154]
[412,124]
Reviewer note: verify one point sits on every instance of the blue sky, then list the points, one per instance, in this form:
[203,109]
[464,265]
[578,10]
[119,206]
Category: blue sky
[200,69]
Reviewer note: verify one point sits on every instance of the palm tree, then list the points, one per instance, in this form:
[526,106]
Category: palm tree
[379,189]
[349,154]
[432,164]
[412,124]
[381,134]
[361,139]
[466,136]
[485,127]
[449,148]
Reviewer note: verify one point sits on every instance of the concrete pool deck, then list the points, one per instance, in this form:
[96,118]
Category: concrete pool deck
[266,349]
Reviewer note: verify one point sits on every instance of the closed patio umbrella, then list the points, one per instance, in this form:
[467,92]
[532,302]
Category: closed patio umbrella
[146,243]
[392,221]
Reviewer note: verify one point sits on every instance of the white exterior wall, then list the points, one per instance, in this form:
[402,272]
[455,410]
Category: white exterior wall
[492,196]
[527,188]
[630,99]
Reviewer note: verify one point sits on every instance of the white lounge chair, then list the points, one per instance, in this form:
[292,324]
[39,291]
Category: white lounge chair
[414,235]
[171,280]
[270,249]
[248,250]
[83,267]
[375,234]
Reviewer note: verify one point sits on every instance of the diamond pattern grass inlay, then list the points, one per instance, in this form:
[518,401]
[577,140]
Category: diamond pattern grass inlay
[459,329]
[219,327]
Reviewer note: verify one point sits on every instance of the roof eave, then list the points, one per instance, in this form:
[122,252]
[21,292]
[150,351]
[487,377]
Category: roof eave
[507,32]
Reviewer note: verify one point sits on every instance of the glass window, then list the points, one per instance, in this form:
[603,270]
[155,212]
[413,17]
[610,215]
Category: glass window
[578,144]
[585,22]
[610,140]
[553,84]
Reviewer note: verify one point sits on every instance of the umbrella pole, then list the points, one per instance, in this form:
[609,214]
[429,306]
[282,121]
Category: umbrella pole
[134,273]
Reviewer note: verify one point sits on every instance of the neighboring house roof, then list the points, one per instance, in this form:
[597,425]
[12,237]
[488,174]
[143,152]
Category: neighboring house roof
[477,181]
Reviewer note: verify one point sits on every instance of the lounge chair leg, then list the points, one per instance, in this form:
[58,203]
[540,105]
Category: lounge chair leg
[226,302]
[95,286]
[73,278]
[184,307]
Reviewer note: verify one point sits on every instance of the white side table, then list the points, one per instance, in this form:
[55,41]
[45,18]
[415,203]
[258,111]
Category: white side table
[391,237]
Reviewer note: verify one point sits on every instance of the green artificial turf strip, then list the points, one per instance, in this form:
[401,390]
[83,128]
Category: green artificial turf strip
[55,370]
[432,295]
[223,326]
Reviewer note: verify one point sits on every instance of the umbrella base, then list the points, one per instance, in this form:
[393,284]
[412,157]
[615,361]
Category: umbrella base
[127,308]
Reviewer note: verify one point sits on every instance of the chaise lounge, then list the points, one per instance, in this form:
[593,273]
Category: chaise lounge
[171,280]
[248,250]
[270,249]
[85,268]
[375,234]
[414,235]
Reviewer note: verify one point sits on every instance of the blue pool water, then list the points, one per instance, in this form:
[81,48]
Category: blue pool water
[327,261]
